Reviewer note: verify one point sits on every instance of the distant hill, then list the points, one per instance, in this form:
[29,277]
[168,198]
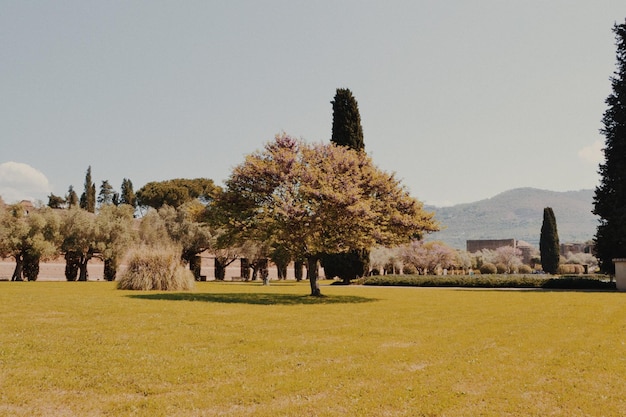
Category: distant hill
[517,214]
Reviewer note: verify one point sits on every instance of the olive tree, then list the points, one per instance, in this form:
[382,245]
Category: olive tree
[28,238]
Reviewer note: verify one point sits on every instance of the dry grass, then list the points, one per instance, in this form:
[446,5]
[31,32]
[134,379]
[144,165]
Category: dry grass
[69,348]
[150,268]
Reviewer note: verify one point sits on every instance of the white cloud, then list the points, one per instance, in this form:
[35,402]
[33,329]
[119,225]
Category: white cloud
[19,181]
[593,153]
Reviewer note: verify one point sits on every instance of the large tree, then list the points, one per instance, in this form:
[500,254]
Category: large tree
[610,195]
[314,199]
[549,242]
[80,238]
[27,238]
[114,235]
[88,197]
[347,130]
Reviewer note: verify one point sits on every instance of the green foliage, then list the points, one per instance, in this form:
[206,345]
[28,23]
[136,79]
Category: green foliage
[488,268]
[127,194]
[180,226]
[106,195]
[27,238]
[346,266]
[88,198]
[114,235]
[524,269]
[610,239]
[409,270]
[549,242]
[71,198]
[347,130]
[491,281]
[150,268]
[54,201]
[176,192]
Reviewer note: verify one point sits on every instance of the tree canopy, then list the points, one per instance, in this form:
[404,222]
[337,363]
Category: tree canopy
[347,129]
[314,199]
[610,195]
[176,192]
[88,197]
[549,242]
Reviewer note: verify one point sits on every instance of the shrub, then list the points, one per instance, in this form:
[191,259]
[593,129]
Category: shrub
[409,270]
[570,269]
[501,268]
[488,268]
[524,269]
[155,269]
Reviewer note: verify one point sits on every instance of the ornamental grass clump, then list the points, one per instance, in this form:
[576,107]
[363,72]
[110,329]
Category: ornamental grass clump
[155,269]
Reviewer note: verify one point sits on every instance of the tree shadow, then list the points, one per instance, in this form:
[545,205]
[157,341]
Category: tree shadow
[255,298]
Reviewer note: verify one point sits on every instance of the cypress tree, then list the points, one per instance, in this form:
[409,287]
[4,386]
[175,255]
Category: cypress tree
[610,195]
[347,130]
[549,242]
[88,197]
[127,194]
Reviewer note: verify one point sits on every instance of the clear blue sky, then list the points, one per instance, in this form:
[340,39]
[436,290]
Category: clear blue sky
[462,99]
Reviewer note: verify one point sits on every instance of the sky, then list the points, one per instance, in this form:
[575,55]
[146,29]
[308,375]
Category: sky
[461,99]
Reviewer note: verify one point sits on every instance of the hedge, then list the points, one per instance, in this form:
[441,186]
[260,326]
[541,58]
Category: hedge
[589,282]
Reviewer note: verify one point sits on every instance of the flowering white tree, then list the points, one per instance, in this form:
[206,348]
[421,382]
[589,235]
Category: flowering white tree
[426,257]
[508,256]
[385,259]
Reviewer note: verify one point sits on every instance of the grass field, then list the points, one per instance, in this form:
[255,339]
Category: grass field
[240,349]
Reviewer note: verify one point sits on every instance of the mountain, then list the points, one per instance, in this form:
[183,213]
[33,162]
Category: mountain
[517,214]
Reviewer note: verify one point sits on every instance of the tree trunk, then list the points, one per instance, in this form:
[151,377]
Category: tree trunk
[72,260]
[195,266]
[17,272]
[220,270]
[30,268]
[297,270]
[110,269]
[244,269]
[263,270]
[83,274]
[312,276]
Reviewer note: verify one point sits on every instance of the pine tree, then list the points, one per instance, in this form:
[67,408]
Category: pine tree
[347,130]
[106,195]
[610,195]
[88,197]
[71,198]
[549,242]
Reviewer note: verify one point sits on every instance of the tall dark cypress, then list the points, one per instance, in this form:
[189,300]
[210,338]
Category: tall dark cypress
[347,130]
[610,195]
[549,242]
